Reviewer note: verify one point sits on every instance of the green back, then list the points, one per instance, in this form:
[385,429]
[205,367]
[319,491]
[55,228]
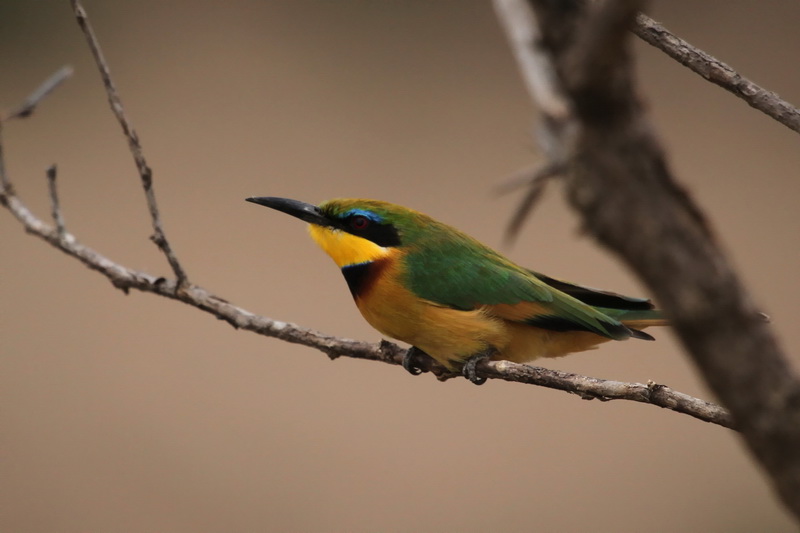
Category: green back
[447,267]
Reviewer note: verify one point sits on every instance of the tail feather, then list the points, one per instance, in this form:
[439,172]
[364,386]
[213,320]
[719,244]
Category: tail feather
[645,323]
[636,321]
[637,318]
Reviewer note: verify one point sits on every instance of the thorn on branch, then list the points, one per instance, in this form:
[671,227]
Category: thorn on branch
[55,207]
[389,351]
[146,173]
[121,285]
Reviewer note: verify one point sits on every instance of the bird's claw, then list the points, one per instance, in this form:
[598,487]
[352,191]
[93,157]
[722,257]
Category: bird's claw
[470,369]
[408,361]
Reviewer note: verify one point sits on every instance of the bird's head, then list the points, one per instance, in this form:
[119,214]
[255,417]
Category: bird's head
[355,231]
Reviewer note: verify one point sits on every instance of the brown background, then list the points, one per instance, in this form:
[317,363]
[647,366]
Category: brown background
[135,413]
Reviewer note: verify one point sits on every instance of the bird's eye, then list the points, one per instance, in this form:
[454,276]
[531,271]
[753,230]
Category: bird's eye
[359,222]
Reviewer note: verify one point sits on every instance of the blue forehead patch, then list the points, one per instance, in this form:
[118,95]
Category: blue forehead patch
[364,213]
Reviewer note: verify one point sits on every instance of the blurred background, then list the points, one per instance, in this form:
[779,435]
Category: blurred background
[137,413]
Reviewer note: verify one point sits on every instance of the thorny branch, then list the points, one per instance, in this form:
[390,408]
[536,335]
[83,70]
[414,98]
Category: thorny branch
[619,181]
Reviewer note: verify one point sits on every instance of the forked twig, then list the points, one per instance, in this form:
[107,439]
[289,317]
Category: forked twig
[25,110]
[145,173]
[535,179]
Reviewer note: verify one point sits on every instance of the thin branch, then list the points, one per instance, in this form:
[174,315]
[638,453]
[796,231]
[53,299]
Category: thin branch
[717,72]
[536,69]
[55,207]
[145,173]
[29,105]
[25,110]
[536,180]
[621,184]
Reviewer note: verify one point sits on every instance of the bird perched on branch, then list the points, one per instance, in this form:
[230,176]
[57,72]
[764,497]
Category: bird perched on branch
[423,282]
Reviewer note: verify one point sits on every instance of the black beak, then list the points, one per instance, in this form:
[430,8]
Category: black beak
[303,211]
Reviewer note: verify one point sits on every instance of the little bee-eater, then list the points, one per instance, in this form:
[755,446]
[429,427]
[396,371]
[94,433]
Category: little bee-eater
[423,282]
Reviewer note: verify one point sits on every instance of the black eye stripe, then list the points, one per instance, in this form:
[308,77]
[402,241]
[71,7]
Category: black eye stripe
[382,234]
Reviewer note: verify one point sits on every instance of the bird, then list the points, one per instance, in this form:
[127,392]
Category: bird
[454,299]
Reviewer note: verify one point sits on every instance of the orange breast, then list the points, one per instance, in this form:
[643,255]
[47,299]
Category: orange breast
[446,334]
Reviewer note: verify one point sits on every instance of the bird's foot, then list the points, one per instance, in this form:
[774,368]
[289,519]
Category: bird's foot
[470,369]
[411,361]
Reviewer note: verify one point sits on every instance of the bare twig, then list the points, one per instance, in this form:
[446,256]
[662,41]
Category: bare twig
[716,72]
[536,180]
[29,105]
[55,207]
[519,179]
[25,110]
[619,181]
[145,173]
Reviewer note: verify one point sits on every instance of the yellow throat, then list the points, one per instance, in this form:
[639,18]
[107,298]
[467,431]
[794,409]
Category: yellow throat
[345,248]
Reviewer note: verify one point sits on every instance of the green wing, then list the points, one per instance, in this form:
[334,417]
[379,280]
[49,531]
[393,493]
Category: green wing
[463,274]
